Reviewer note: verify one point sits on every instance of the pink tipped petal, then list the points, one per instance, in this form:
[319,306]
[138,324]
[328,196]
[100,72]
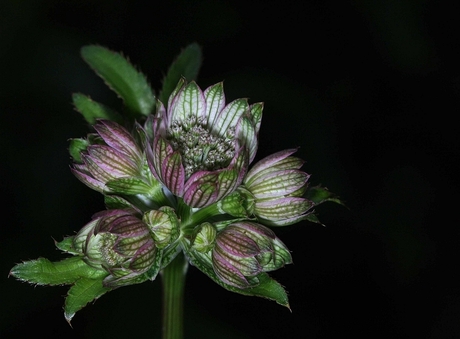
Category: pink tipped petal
[266,163]
[173,173]
[89,180]
[119,138]
[254,228]
[228,273]
[161,122]
[111,161]
[201,189]
[237,244]
[161,150]
[278,184]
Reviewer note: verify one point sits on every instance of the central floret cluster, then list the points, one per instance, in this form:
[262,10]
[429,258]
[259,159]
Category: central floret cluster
[199,148]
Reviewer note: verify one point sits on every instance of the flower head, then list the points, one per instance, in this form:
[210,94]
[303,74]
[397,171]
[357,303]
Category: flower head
[243,250]
[119,243]
[277,184]
[202,146]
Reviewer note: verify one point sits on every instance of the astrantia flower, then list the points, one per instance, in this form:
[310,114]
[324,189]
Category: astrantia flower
[277,184]
[202,146]
[243,250]
[117,157]
[119,243]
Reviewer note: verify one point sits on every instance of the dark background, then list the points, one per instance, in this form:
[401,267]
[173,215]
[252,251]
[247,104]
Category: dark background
[369,91]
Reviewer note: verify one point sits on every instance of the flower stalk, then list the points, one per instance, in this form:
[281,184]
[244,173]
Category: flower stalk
[173,283]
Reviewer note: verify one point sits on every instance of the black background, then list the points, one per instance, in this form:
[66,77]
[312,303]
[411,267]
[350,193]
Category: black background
[369,91]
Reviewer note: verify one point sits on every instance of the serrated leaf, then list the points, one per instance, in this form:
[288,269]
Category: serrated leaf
[66,245]
[122,77]
[155,268]
[116,202]
[81,293]
[76,147]
[93,110]
[186,65]
[267,287]
[319,194]
[169,253]
[44,272]
[313,218]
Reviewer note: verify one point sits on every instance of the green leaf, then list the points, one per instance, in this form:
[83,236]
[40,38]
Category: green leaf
[66,245]
[64,272]
[76,147]
[266,288]
[129,186]
[313,218]
[319,194]
[186,65]
[116,202]
[82,292]
[169,253]
[122,77]
[92,110]
[155,269]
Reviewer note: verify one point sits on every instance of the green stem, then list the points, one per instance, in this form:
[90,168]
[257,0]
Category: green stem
[173,278]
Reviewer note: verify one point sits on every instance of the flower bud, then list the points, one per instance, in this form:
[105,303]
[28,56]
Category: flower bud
[277,183]
[205,238]
[245,249]
[119,243]
[239,204]
[163,224]
[112,162]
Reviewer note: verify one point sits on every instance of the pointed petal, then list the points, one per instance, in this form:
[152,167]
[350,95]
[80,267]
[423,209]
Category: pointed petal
[160,122]
[248,266]
[229,116]
[246,133]
[237,243]
[89,180]
[228,181]
[278,184]
[201,189]
[160,151]
[227,272]
[283,208]
[240,165]
[173,173]
[215,102]
[261,231]
[119,138]
[266,163]
[256,115]
[190,101]
[173,97]
[109,163]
